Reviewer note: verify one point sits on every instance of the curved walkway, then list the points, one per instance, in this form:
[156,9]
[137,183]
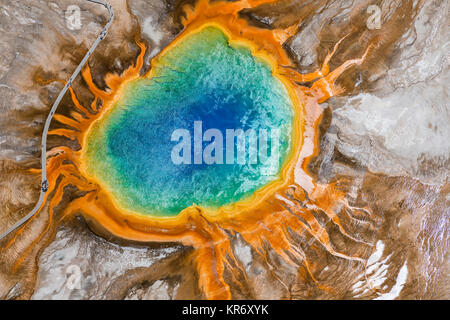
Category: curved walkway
[44,183]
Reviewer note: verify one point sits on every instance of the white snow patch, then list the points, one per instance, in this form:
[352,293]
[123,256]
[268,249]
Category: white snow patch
[243,253]
[398,286]
[377,254]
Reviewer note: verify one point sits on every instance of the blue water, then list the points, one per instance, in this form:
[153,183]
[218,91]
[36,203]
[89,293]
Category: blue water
[201,79]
